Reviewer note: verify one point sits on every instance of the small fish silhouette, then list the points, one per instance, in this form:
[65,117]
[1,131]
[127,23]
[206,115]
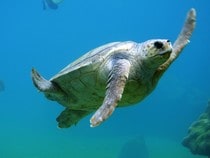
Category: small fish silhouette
[52,4]
[2,87]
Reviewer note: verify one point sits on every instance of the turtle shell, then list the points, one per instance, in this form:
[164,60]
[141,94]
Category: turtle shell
[83,82]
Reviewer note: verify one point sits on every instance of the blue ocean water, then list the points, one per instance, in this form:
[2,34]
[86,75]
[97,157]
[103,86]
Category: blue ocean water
[50,39]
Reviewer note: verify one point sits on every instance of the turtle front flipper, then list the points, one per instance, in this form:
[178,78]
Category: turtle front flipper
[115,87]
[181,41]
[185,34]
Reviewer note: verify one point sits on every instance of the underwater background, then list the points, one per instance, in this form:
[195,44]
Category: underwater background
[52,38]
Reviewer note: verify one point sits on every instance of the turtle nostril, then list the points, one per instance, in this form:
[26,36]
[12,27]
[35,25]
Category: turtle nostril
[158,44]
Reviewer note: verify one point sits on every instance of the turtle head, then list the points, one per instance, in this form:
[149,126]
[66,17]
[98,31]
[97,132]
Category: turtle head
[155,52]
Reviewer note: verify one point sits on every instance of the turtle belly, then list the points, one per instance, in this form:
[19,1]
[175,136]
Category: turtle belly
[134,92]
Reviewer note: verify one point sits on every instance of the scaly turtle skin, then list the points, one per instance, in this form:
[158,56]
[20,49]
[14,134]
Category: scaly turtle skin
[115,74]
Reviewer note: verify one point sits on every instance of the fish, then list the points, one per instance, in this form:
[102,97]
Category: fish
[52,4]
[2,87]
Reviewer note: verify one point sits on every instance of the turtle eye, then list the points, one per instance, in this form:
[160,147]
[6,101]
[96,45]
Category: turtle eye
[158,44]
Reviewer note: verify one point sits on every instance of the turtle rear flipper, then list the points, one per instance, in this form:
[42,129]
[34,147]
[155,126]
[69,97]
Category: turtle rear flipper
[70,117]
[41,83]
[51,90]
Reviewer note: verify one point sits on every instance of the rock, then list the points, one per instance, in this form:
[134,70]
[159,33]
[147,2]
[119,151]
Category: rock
[135,148]
[198,138]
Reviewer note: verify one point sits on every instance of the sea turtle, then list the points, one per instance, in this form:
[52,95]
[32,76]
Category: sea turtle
[114,75]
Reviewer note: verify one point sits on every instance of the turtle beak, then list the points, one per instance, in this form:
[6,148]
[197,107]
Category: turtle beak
[168,51]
